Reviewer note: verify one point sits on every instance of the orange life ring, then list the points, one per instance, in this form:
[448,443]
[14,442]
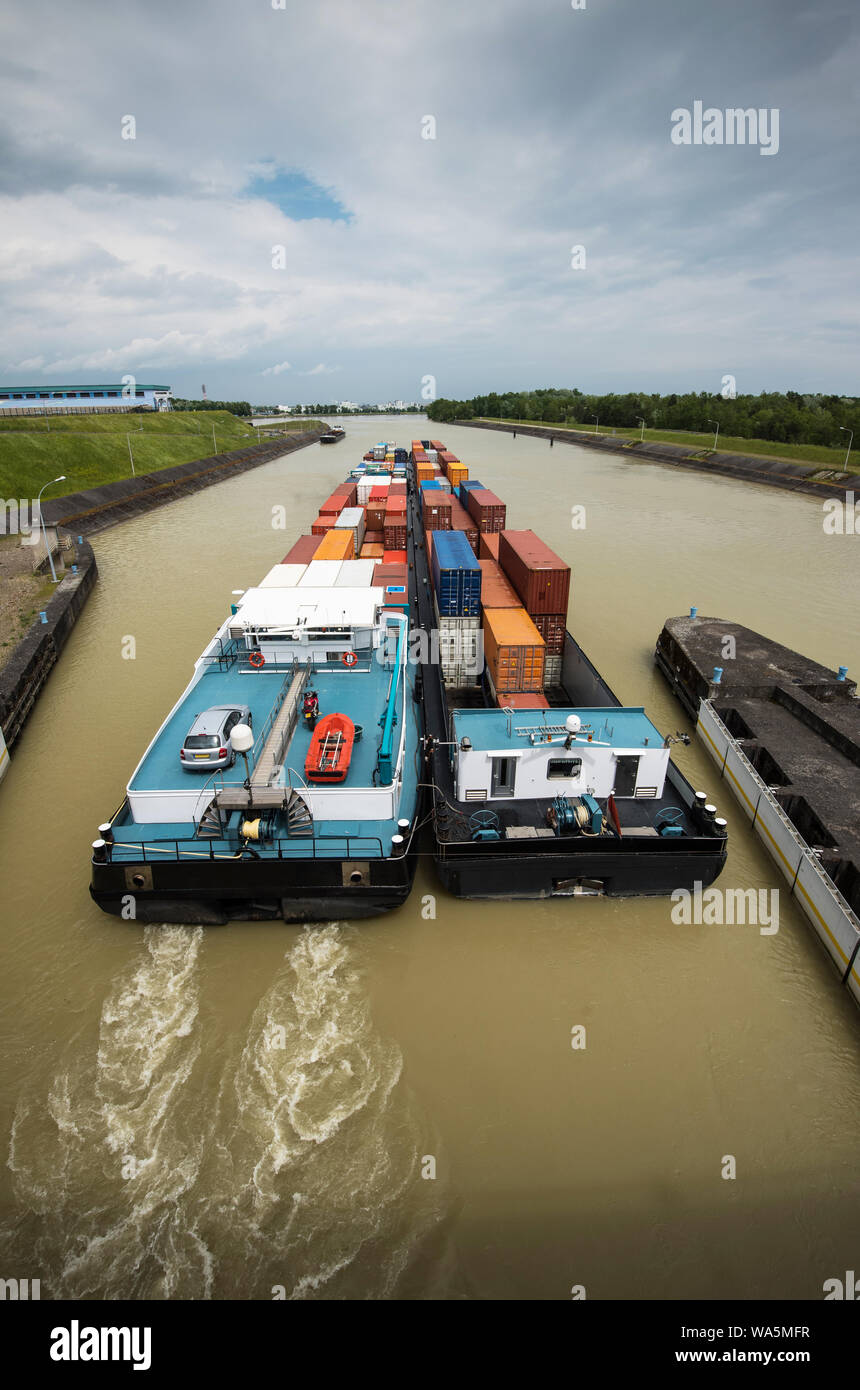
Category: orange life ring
[349,658]
[256,659]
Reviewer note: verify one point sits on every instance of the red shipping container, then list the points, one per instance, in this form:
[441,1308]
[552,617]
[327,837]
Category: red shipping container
[461,521]
[347,490]
[394,534]
[394,557]
[373,537]
[334,505]
[375,515]
[396,505]
[302,552]
[323,524]
[488,547]
[436,511]
[551,627]
[397,490]
[378,494]
[488,510]
[539,576]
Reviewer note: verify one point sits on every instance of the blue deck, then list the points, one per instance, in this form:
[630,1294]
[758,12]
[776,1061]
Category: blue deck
[621,728]
[361,693]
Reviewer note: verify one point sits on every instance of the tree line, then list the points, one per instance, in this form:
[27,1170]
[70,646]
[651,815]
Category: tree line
[785,417]
[234,407]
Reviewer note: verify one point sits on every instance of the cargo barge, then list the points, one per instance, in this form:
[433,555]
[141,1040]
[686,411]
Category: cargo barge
[785,734]
[543,784]
[284,782]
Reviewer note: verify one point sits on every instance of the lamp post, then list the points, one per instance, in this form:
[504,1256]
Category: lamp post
[845,430]
[61,479]
[596,419]
[717,435]
[642,423]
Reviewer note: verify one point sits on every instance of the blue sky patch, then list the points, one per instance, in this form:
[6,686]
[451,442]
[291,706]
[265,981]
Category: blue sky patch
[298,197]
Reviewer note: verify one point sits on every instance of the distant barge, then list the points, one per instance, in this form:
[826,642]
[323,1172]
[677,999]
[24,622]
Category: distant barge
[785,732]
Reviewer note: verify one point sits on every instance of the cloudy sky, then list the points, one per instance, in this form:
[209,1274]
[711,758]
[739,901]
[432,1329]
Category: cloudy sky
[404,257]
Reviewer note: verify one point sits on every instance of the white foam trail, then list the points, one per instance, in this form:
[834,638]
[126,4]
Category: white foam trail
[110,1180]
[320,1181]
[303,1174]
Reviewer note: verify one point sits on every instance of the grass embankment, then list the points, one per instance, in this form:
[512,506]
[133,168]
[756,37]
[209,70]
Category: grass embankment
[813,454]
[94,449]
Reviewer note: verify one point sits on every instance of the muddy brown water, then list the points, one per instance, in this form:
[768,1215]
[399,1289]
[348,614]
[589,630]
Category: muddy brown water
[196,1113]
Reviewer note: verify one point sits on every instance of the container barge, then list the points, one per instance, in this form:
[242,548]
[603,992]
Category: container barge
[284,783]
[543,784]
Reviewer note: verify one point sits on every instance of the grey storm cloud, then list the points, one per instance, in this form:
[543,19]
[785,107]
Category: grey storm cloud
[455,258]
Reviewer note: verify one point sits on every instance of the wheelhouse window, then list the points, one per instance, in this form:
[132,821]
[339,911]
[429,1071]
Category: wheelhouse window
[563,768]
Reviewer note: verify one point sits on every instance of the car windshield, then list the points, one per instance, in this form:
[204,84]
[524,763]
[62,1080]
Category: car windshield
[202,741]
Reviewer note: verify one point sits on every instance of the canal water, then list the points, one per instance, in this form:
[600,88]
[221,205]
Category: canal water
[427,1129]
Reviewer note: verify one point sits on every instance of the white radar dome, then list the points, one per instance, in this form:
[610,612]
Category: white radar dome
[573,723]
[241,738]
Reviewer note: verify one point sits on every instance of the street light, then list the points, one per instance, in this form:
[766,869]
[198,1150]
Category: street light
[717,435]
[845,430]
[642,423]
[61,479]
[596,419]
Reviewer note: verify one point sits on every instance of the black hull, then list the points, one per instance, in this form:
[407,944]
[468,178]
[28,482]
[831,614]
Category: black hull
[213,893]
[574,870]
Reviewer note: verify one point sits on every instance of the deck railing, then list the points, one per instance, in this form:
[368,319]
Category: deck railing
[338,846]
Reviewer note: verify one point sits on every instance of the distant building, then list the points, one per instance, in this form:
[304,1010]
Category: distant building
[106,396]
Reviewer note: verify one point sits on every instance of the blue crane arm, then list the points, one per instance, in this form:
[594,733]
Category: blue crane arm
[383,762]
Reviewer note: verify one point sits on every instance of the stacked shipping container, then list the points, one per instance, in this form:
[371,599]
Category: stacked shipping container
[542,581]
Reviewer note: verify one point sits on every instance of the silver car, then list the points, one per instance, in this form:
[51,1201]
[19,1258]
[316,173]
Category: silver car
[207,743]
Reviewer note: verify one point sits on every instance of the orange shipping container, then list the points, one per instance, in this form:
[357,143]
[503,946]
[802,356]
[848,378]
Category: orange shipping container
[394,557]
[371,552]
[514,650]
[518,699]
[496,590]
[488,546]
[336,545]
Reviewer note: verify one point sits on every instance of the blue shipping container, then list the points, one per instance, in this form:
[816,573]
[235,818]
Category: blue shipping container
[456,576]
[469,484]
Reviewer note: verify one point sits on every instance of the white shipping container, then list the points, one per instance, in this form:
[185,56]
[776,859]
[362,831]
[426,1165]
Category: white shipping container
[356,574]
[282,577]
[352,519]
[366,486]
[321,574]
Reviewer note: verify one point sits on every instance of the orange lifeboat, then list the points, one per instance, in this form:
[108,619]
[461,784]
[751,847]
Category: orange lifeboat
[331,749]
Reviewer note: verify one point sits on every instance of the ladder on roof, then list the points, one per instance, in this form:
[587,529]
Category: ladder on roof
[532,730]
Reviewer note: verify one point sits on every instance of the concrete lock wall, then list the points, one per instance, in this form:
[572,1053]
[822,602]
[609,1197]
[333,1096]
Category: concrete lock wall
[836,926]
[797,477]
